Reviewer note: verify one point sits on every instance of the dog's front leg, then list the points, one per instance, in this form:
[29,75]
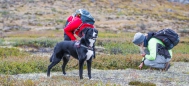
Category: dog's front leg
[89,62]
[94,53]
[81,62]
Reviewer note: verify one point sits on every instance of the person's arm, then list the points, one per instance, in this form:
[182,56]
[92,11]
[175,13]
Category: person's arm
[70,28]
[142,63]
[152,47]
[69,19]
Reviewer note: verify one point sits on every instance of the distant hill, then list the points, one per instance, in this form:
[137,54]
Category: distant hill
[110,15]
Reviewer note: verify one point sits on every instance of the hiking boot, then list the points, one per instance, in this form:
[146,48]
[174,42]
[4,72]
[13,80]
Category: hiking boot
[167,66]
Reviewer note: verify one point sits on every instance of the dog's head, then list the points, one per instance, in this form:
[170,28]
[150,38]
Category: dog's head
[90,34]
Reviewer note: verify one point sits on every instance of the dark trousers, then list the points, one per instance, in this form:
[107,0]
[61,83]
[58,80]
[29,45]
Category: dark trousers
[66,38]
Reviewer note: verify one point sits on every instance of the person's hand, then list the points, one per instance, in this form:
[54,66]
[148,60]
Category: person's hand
[141,65]
[74,40]
[143,55]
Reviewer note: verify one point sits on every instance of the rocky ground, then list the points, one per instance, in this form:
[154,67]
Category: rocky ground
[177,75]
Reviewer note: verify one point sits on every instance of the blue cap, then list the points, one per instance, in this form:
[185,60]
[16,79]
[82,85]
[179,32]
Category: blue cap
[138,38]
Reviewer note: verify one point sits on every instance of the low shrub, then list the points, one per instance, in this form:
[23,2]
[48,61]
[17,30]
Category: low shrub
[7,52]
[40,42]
[31,64]
[17,67]
[116,61]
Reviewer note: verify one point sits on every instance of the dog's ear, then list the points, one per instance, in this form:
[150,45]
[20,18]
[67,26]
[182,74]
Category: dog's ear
[95,30]
[84,31]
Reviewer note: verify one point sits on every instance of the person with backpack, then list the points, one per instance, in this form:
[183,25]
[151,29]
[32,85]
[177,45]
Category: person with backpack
[76,23]
[154,52]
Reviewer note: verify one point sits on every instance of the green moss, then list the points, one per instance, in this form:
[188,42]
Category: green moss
[134,83]
[138,83]
[53,10]
[1,41]
[147,84]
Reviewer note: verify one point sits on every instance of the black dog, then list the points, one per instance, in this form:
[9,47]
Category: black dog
[81,50]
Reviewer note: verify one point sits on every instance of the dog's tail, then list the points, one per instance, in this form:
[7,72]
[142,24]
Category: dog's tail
[53,53]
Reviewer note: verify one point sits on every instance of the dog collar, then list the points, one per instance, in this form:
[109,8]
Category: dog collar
[77,44]
[89,48]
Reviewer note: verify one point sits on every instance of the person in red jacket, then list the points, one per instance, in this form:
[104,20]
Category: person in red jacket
[76,23]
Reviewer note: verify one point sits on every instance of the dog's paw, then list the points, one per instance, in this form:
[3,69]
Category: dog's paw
[48,76]
[91,79]
[64,74]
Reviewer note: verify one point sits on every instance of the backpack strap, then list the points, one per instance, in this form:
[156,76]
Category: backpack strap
[150,35]
[78,28]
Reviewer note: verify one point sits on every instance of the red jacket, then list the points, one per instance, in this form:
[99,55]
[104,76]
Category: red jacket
[74,23]
[70,18]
